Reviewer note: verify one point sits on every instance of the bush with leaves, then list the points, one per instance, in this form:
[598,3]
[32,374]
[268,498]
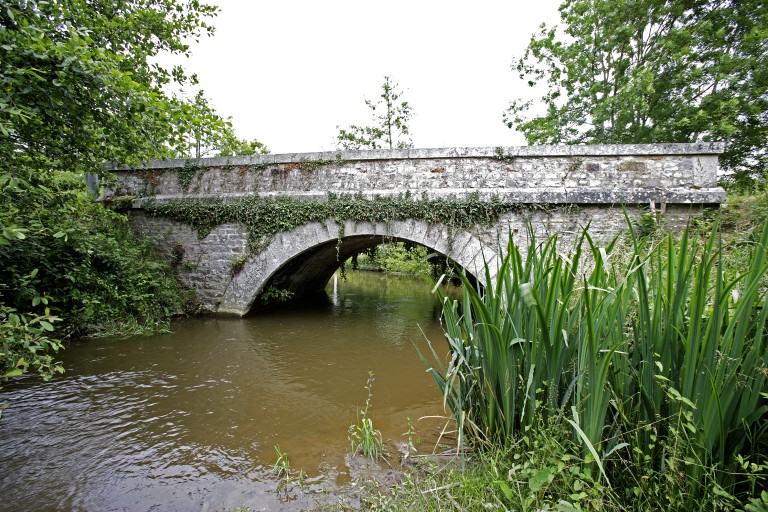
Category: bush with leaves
[79,87]
[27,343]
[396,257]
[82,259]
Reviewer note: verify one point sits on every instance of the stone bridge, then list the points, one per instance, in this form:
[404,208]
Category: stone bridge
[243,228]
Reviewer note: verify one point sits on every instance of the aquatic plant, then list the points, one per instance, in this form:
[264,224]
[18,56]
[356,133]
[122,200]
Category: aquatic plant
[657,358]
[282,465]
[287,476]
[365,439]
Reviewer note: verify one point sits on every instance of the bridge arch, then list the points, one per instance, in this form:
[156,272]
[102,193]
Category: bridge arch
[305,258]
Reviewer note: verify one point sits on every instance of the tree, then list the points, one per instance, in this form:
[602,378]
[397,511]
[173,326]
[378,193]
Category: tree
[390,126]
[232,146]
[78,88]
[201,128]
[645,71]
[203,132]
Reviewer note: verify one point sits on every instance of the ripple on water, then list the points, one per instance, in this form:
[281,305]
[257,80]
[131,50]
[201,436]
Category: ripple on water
[189,421]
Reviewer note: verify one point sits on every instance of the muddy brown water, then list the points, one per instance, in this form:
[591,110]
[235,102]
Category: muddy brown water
[190,420]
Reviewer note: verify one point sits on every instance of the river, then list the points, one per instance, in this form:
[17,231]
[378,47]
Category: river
[190,420]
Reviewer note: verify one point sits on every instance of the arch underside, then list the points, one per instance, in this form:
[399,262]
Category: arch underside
[303,260]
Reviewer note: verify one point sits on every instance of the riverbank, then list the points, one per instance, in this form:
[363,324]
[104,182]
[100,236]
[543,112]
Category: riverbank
[669,462]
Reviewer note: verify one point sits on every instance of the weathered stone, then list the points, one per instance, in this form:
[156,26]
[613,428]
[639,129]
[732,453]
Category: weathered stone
[558,188]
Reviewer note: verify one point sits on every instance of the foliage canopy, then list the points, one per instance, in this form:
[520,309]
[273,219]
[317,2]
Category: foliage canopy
[647,71]
[79,87]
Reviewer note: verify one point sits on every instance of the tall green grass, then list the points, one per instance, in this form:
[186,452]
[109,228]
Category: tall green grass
[364,438]
[653,350]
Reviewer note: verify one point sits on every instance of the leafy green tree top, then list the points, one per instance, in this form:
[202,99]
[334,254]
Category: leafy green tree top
[203,133]
[645,71]
[390,128]
[232,146]
[78,85]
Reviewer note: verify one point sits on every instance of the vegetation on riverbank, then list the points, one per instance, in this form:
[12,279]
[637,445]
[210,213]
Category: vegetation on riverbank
[73,269]
[81,87]
[91,270]
[394,258]
[637,382]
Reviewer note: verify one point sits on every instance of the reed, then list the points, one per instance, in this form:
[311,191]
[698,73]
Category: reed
[653,350]
[700,349]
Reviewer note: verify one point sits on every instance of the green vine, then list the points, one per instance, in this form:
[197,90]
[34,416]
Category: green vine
[265,217]
[186,174]
[342,231]
[499,154]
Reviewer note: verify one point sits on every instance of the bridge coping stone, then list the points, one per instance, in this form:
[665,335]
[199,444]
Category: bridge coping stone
[698,148]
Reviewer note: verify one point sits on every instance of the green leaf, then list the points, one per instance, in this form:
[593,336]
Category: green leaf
[588,445]
[541,478]
[505,489]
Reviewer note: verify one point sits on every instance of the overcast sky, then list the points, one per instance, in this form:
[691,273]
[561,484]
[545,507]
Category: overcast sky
[289,72]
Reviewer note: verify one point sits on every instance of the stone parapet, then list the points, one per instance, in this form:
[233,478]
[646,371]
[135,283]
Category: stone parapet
[604,174]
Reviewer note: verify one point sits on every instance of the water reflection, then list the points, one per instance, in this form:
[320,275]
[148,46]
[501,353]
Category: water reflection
[189,421]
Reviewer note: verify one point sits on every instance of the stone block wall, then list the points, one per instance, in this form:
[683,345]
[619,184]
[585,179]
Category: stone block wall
[670,173]
[227,278]
[558,189]
[204,265]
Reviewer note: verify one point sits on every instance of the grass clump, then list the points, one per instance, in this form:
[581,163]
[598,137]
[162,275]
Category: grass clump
[286,475]
[364,438]
[536,472]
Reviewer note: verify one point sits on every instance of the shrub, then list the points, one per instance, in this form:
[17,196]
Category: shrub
[64,256]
